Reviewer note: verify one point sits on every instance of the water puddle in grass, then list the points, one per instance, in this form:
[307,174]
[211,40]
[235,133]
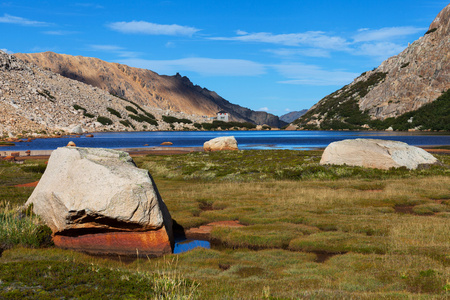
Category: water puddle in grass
[404,209]
[324,256]
[184,245]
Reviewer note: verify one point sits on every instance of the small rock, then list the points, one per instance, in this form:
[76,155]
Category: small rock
[71,144]
[166,143]
[221,143]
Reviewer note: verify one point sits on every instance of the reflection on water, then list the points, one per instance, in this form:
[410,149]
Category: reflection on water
[185,245]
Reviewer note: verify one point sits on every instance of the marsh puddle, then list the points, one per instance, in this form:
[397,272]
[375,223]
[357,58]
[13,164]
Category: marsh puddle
[184,245]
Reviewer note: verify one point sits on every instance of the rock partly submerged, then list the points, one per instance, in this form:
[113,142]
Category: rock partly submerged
[375,153]
[97,200]
[221,143]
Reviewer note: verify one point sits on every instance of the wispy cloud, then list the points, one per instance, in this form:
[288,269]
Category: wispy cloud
[313,75]
[6,51]
[382,50]
[293,52]
[89,5]
[21,21]
[385,34]
[119,51]
[142,27]
[200,65]
[264,109]
[317,39]
[59,32]
[379,43]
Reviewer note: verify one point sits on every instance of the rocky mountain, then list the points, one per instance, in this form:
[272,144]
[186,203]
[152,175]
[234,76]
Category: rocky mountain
[292,116]
[174,93]
[402,83]
[35,100]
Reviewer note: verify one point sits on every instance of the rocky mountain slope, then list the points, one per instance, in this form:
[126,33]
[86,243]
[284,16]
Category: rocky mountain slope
[174,93]
[292,116]
[402,83]
[34,100]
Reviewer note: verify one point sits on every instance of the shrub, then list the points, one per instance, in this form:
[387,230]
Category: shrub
[430,31]
[47,95]
[127,123]
[114,112]
[141,118]
[132,109]
[78,107]
[171,119]
[104,120]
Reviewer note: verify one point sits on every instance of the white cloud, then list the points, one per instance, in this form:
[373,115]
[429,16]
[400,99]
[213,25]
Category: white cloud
[317,39]
[120,51]
[142,27]
[310,52]
[287,109]
[6,51]
[384,34]
[59,32]
[21,21]
[264,109]
[313,75]
[106,47]
[382,50]
[200,65]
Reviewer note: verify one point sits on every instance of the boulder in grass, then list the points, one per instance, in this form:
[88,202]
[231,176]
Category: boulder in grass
[221,143]
[374,153]
[98,201]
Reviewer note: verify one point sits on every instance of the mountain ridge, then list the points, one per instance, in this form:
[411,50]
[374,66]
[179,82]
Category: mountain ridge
[176,93]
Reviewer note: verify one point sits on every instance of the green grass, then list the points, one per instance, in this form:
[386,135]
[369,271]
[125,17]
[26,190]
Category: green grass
[54,278]
[246,165]
[309,232]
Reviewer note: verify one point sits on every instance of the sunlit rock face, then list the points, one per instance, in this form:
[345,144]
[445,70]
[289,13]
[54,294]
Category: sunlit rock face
[97,200]
[221,143]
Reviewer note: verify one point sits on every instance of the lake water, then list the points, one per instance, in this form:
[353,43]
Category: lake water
[184,245]
[297,140]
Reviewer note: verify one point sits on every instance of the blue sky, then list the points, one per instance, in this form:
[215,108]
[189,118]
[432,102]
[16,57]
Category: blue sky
[276,56]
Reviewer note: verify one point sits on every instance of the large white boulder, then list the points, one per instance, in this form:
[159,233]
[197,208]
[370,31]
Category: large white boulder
[221,143]
[92,197]
[374,153]
[77,129]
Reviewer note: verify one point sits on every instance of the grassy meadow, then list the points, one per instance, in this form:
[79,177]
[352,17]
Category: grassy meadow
[311,232]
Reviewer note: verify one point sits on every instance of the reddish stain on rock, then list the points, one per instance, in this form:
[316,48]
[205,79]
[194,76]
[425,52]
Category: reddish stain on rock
[151,243]
[31,184]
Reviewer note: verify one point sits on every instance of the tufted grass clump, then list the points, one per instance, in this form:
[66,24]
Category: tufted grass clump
[21,228]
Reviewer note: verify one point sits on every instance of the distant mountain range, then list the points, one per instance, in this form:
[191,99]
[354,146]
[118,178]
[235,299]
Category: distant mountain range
[382,97]
[170,93]
[292,116]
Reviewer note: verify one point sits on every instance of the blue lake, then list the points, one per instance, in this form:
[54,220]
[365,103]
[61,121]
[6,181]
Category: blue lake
[297,140]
